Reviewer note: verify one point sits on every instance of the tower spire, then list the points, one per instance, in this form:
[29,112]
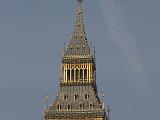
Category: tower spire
[79,26]
[78,44]
[77,98]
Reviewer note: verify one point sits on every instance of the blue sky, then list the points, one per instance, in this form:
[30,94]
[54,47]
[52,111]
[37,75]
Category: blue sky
[126,34]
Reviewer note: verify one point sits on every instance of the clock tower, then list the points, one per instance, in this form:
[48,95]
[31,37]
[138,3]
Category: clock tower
[77,98]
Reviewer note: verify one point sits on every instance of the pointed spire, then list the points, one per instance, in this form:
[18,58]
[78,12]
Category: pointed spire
[78,44]
[79,26]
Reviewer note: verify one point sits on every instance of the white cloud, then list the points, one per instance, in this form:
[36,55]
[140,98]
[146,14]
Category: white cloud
[117,26]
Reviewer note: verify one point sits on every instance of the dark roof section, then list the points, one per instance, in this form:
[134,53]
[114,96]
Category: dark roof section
[90,107]
[78,44]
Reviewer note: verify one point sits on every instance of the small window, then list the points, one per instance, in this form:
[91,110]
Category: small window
[65,97]
[76,74]
[68,74]
[58,106]
[80,106]
[86,96]
[76,96]
[81,74]
[69,107]
[85,74]
[72,74]
[91,105]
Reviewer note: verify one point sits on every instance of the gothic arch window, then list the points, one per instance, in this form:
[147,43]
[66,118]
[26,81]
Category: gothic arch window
[91,105]
[76,74]
[68,74]
[80,106]
[58,106]
[86,96]
[81,74]
[69,107]
[72,74]
[76,96]
[85,73]
[65,96]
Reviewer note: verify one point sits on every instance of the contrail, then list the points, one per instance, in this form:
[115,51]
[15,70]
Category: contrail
[117,26]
